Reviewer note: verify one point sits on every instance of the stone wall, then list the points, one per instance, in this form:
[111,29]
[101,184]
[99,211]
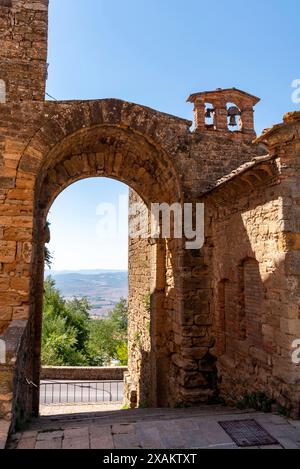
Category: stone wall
[283,141]
[247,276]
[151,322]
[254,277]
[139,341]
[16,375]
[83,373]
[23,48]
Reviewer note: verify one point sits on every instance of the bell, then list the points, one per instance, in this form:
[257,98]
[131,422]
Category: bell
[233,122]
[233,112]
[209,112]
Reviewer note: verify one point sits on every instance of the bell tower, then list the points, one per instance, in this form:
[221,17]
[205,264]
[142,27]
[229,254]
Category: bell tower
[225,110]
[23,50]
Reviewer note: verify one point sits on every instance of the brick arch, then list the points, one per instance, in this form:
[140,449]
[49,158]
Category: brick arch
[108,151]
[64,119]
[71,146]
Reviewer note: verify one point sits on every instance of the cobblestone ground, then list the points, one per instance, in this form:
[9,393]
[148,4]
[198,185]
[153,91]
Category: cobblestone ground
[150,429]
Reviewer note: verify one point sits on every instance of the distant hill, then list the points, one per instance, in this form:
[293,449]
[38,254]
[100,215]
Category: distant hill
[103,288]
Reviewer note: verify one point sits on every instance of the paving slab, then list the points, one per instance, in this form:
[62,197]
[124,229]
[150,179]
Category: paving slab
[213,432]
[149,435]
[271,447]
[295,423]
[32,434]
[54,443]
[26,443]
[223,446]
[47,436]
[170,435]
[288,443]
[78,432]
[76,443]
[101,437]
[123,428]
[127,441]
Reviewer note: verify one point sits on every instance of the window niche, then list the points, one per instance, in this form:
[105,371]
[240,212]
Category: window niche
[2,91]
[222,316]
[252,296]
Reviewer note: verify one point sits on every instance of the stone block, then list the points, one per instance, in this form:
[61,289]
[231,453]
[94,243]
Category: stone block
[187,364]
[7,251]
[290,326]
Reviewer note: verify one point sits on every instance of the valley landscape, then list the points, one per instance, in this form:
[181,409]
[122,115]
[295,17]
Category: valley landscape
[102,288]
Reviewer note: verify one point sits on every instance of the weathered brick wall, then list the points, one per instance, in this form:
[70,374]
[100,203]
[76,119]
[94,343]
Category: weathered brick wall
[284,143]
[243,258]
[205,157]
[138,391]
[251,289]
[23,48]
[16,374]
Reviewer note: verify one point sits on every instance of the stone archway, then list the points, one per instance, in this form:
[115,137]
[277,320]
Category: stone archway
[69,148]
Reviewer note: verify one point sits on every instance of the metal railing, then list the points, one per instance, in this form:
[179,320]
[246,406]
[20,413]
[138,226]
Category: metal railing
[80,392]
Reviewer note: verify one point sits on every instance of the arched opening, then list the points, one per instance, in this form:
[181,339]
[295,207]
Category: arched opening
[209,116]
[2,352]
[154,265]
[85,313]
[2,92]
[234,118]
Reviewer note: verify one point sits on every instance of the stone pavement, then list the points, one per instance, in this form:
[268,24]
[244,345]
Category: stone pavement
[150,429]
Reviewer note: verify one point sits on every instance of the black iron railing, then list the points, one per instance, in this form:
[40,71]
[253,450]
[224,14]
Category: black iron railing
[81,392]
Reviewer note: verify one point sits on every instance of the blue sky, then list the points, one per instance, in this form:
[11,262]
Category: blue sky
[79,236]
[156,53]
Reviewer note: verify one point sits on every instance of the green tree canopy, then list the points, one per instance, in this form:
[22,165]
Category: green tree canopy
[71,338]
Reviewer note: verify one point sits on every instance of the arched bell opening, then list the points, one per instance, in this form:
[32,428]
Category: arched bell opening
[210,116]
[234,117]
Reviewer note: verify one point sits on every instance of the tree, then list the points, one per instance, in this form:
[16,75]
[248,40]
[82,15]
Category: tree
[59,344]
[119,316]
[109,336]
[48,258]
[119,319]
[102,346]
[65,329]
[71,338]
[122,353]
[77,313]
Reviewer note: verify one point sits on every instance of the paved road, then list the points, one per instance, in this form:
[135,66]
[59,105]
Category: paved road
[72,392]
[55,410]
